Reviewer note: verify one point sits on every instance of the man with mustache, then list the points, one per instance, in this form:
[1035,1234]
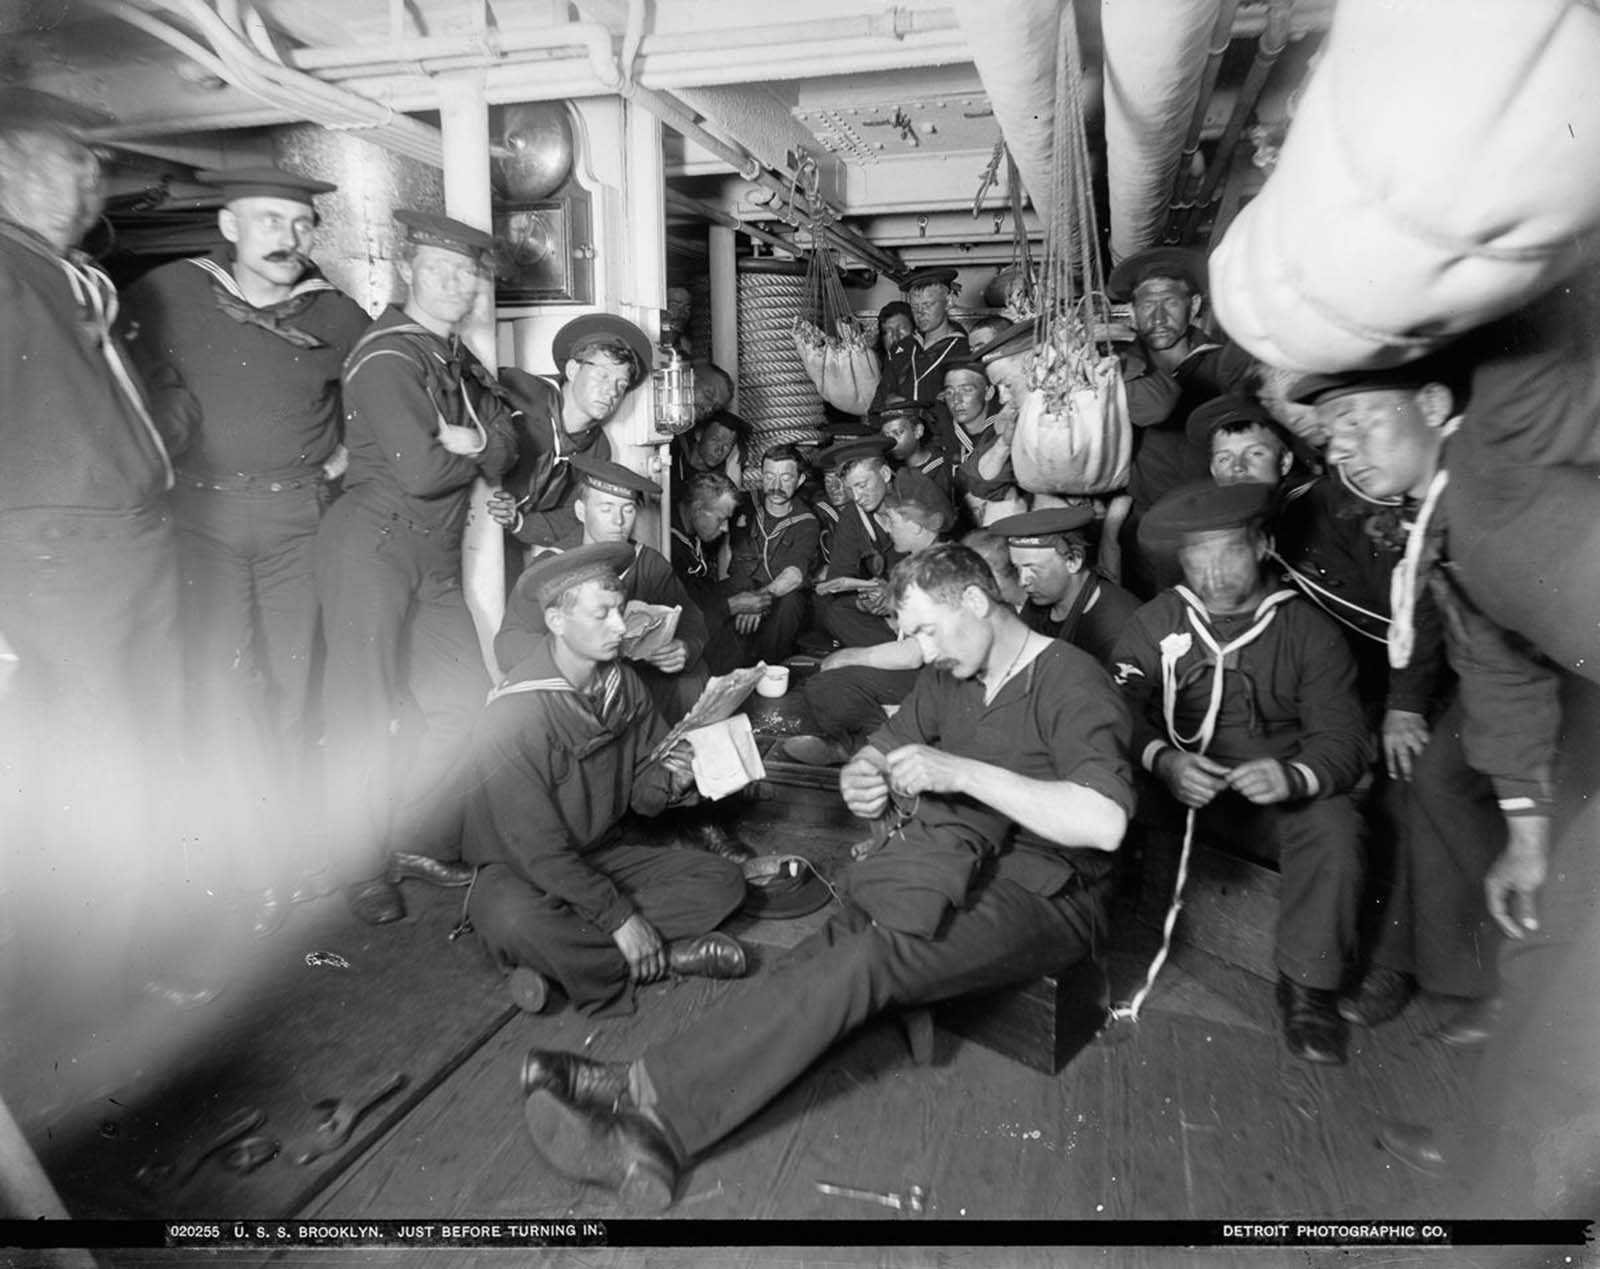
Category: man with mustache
[601,359]
[242,350]
[424,419]
[565,891]
[1170,367]
[774,553]
[1008,771]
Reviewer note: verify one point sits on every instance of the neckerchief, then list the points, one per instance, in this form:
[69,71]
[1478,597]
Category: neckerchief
[276,319]
[599,709]
[1403,581]
[691,540]
[96,296]
[759,530]
[452,368]
[1177,645]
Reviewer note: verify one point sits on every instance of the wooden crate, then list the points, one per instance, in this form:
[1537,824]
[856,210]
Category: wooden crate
[1230,905]
[1043,1024]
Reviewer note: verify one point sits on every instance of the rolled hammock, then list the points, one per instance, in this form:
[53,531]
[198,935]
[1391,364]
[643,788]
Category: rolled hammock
[1440,172]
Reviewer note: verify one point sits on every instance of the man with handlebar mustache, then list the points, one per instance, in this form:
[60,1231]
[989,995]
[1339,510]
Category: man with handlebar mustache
[241,350]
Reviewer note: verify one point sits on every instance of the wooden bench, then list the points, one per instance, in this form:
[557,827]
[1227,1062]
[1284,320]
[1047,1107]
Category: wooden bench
[1230,904]
[1043,1024]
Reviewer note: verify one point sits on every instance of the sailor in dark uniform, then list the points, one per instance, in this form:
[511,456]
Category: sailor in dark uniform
[601,359]
[775,551]
[909,428]
[423,420]
[847,698]
[566,890]
[1245,713]
[242,351]
[605,504]
[914,367]
[699,549]
[850,599]
[1171,367]
[1495,512]
[1067,599]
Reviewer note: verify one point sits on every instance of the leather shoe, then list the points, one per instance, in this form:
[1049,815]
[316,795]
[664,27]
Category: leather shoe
[1382,995]
[1471,1025]
[813,751]
[377,902]
[714,955]
[1414,1145]
[716,840]
[577,1079]
[1312,1027]
[436,872]
[624,1150]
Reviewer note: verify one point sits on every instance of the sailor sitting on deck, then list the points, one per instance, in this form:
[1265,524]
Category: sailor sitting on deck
[565,889]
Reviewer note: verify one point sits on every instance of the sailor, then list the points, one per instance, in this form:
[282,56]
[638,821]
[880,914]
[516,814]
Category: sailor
[423,420]
[601,358]
[851,603]
[1067,598]
[605,505]
[242,349]
[569,889]
[849,695]
[774,552]
[1245,713]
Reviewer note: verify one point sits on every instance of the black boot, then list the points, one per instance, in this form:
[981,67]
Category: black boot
[1312,1027]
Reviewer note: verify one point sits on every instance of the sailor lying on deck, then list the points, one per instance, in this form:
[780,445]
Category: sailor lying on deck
[1007,781]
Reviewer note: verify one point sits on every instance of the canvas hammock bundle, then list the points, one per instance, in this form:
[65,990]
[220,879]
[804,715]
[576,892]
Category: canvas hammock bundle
[831,344]
[1073,434]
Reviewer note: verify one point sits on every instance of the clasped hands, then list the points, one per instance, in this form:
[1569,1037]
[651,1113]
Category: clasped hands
[748,609]
[910,771]
[1195,779]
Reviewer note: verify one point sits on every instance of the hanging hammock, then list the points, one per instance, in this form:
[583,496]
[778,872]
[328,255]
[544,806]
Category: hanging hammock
[1073,435]
[828,338]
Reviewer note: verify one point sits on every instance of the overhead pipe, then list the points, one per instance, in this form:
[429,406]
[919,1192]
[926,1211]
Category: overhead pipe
[303,95]
[1272,43]
[716,216]
[678,117]
[1188,176]
[1155,55]
[1013,45]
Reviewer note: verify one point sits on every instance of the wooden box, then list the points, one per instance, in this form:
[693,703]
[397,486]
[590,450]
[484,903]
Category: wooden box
[1043,1024]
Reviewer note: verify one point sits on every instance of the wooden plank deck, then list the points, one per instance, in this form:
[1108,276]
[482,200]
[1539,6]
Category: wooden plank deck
[1195,1111]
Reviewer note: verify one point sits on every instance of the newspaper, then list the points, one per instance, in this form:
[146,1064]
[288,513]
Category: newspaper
[720,699]
[725,757]
[651,627]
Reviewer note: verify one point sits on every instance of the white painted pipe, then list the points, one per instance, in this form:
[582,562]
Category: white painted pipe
[1155,58]
[1013,45]
[1439,172]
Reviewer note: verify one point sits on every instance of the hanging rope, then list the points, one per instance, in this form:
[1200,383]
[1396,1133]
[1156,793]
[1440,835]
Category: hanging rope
[831,344]
[1073,433]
